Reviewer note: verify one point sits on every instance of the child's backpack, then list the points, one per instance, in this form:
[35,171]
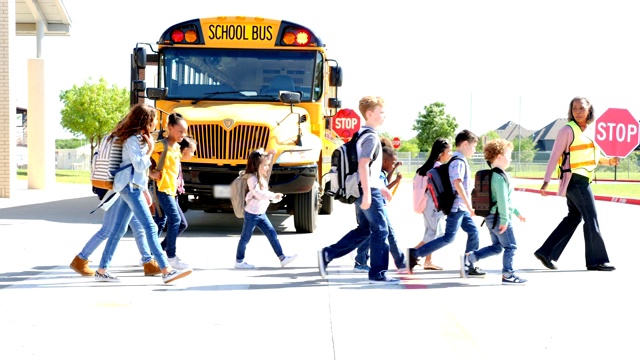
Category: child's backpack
[239,189]
[481,193]
[439,186]
[105,164]
[420,193]
[344,170]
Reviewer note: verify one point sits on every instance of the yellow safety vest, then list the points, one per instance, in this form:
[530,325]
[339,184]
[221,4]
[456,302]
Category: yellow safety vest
[582,155]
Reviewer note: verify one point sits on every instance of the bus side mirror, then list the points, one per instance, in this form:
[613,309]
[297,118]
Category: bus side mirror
[138,85]
[290,97]
[140,57]
[157,93]
[335,76]
[335,103]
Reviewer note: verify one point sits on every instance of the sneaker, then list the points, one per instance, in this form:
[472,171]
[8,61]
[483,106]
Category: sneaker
[409,254]
[243,265]
[175,274]
[476,272]
[177,263]
[81,266]
[467,269]
[106,277]
[322,263]
[513,280]
[151,268]
[287,259]
[141,262]
[361,268]
[385,281]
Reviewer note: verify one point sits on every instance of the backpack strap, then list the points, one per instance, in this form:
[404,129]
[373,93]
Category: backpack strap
[497,170]
[163,155]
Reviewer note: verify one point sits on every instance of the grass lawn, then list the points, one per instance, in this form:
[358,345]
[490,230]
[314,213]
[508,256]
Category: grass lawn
[63,176]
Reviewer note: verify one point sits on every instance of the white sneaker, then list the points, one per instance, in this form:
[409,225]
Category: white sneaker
[175,274]
[243,265]
[106,277]
[177,263]
[386,280]
[287,259]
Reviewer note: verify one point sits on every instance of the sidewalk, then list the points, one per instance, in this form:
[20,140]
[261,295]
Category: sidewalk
[58,191]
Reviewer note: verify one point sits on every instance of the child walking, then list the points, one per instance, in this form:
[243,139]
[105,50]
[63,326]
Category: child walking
[461,211]
[257,201]
[166,188]
[372,222]
[498,153]
[434,220]
[135,132]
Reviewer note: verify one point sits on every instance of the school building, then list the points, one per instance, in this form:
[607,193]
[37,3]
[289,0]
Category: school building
[37,18]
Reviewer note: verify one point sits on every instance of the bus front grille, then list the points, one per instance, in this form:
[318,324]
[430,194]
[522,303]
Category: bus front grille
[217,143]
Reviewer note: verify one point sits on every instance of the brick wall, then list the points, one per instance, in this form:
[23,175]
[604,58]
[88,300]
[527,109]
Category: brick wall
[7,104]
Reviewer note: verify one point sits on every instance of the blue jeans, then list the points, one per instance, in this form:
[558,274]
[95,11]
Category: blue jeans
[455,220]
[372,226]
[582,205]
[263,223]
[173,216]
[108,222]
[362,255]
[506,241]
[136,204]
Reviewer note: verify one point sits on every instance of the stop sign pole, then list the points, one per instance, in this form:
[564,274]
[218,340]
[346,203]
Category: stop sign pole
[617,132]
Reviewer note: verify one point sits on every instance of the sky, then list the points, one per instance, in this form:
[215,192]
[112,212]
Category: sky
[488,61]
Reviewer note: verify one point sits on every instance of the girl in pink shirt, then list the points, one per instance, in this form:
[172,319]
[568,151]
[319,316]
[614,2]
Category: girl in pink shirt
[257,201]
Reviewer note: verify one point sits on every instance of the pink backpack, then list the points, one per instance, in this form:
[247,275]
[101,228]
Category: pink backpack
[419,193]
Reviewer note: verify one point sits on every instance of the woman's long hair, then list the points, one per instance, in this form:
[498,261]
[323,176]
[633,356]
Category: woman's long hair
[137,120]
[439,146]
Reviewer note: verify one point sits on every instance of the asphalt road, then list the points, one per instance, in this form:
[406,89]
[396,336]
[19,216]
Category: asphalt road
[47,311]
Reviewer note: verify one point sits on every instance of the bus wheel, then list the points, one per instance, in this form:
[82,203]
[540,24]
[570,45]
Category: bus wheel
[305,215]
[326,201]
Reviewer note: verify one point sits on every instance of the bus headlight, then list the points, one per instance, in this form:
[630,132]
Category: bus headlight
[297,156]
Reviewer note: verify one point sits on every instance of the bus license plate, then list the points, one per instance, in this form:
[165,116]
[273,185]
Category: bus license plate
[222,191]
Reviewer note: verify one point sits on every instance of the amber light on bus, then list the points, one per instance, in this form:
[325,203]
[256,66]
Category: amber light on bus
[296,37]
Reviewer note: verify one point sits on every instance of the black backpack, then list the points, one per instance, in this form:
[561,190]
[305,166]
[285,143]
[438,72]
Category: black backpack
[439,185]
[344,184]
[481,193]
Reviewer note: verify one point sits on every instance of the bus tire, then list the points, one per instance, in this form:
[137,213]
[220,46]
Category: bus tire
[305,216]
[327,202]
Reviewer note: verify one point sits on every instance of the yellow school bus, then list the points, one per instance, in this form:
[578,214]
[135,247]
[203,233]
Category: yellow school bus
[244,83]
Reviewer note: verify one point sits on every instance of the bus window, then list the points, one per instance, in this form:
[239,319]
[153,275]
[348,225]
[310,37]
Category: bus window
[246,75]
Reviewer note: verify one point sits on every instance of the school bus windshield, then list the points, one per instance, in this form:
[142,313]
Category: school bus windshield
[240,75]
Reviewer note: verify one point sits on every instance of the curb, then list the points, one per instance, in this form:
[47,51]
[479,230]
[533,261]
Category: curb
[597,197]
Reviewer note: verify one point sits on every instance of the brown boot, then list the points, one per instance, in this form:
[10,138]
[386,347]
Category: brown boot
[81,266]
[151,268]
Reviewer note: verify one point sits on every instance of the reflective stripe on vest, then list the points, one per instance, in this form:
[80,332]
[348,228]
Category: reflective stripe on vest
[582,151]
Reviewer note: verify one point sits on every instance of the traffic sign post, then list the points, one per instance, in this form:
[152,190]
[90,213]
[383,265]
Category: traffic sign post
[396,142]
[617,132]
[345,123]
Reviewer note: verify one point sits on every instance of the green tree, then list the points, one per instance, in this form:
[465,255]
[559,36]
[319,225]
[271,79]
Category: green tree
[488,136]
[410,146]
[69,143]
[432,124]
[92,110]
[526,147]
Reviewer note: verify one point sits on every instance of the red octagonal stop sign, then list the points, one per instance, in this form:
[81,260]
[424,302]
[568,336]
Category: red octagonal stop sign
[346,123]
[617,132]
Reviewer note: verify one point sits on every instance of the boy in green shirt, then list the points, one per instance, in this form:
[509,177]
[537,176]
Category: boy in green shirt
[498,153]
